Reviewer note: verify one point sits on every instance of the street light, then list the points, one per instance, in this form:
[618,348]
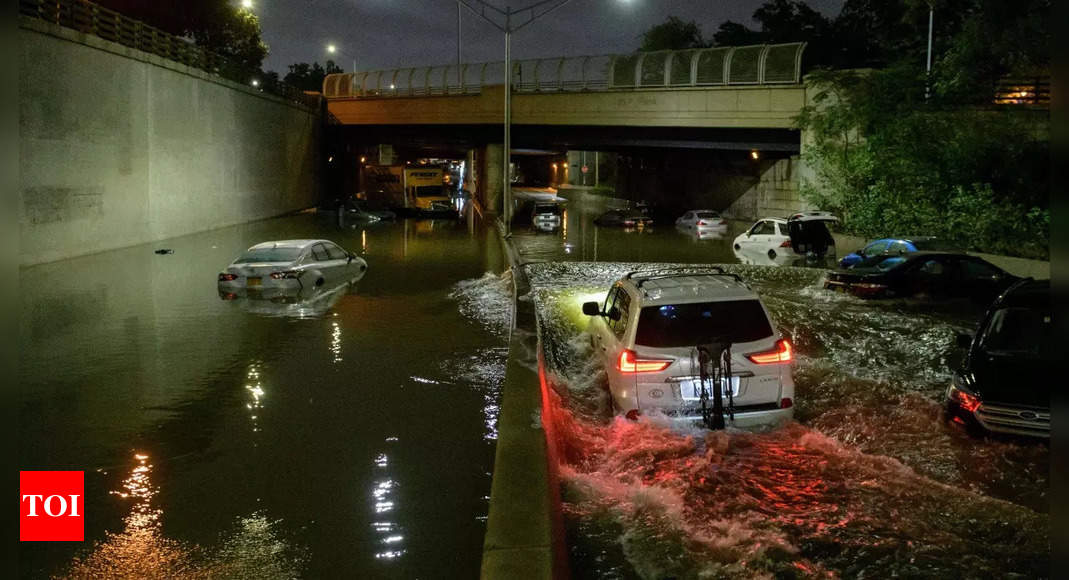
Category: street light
[246,4]
[333,49]
[534,11]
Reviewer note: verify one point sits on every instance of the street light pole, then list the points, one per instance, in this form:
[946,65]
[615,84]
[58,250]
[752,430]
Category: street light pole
[928,70]
[535,11]
[460,74]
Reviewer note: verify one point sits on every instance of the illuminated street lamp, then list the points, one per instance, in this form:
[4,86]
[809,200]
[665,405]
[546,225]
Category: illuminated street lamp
[333,49]
[246,4]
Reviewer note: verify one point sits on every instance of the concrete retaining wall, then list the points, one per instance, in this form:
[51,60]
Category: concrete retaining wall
[775,194]
[119,147]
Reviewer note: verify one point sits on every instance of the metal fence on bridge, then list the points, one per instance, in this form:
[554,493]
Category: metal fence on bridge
[90,18]
[743,65]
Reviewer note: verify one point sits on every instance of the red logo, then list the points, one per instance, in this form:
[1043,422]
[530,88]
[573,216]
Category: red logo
[51,506]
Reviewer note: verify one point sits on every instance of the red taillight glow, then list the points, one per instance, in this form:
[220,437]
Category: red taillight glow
[966,401]
[785,244]
[786,403]
[629,363]
[225,277]
[701,223]
[629,223]
[781,354]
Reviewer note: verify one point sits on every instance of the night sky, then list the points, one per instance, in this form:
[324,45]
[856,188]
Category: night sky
[398,33]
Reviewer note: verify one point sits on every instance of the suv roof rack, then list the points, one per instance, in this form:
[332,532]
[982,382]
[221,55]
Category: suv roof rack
[660,273]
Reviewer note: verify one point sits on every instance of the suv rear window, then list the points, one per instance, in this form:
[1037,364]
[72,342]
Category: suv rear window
[677,325]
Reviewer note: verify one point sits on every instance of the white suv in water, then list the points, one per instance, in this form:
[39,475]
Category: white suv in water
[649,331]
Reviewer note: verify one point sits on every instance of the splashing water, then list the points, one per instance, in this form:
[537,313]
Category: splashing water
[870,482]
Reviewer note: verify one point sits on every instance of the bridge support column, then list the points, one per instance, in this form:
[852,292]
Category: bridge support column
[490,179]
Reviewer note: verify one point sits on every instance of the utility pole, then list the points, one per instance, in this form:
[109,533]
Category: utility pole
[460,73]
[928,70]
[533,11]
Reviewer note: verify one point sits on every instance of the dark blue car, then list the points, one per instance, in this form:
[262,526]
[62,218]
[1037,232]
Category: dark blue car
[896,246]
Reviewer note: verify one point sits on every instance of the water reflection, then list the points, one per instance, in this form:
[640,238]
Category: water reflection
[384,500]
[256,393]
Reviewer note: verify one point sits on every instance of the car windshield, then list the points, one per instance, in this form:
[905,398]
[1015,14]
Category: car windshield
[677,325]
[547,209]
[1020,331]
[285,254]
[430,191]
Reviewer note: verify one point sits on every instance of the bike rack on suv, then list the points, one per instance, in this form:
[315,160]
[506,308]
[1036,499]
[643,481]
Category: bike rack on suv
[661,273]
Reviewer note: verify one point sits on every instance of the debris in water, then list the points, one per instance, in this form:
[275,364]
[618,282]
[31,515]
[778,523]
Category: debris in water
[162,251]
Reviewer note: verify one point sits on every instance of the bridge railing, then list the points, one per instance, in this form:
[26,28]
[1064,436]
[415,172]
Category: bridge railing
[761,64]
[90,18]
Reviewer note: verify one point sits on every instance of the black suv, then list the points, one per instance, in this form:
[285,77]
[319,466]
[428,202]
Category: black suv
[1004,384]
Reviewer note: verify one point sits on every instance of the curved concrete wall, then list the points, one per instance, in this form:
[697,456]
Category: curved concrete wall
[119,147]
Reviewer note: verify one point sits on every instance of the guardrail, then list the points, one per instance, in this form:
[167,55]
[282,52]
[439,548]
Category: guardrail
[761,64]
[90,18]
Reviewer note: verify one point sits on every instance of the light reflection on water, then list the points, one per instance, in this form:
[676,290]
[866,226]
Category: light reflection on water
[870,483]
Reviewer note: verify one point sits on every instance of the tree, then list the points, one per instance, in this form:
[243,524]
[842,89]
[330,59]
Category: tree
[672,34]
[216,25]
[309,77]
[735,34]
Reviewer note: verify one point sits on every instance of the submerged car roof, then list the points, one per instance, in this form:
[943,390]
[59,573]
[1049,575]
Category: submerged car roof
[1028,293]
[659,287]
[286,244]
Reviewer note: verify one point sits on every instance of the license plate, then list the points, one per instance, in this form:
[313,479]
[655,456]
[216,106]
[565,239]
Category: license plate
[254,281]
[693,389]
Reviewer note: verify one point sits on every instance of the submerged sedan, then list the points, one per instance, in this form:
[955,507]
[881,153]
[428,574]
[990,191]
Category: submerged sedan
[934,275]
[286,267]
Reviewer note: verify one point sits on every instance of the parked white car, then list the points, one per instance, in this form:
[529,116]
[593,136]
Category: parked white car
[648,331]
[803,234]
[286,267]
[702,219]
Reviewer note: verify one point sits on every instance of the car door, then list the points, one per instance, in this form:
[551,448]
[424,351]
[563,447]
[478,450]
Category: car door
[321,262]
[601,332]
[978,279]
[930,277]
[753,235]
[338,259]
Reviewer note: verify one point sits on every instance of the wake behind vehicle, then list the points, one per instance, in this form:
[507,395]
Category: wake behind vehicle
[896,246]
[1005,383]
[931,275]
[804,234]
[658,329]
[289,268]
[624,218]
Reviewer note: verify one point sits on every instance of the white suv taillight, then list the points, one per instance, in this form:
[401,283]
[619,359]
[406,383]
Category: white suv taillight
[782,353]
[630,363]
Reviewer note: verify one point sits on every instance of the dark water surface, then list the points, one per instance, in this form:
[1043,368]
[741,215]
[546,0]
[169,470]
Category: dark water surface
[251,439]
[869,482]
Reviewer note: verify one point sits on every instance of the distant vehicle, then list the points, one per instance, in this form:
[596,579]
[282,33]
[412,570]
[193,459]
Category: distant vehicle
[627,218]
[699,234]
[897,246]
[425,191]
[702,219]
[359,209]
[650,326]
[804,234]
[933,275]
[546,216]
[1008,377]
[288,267]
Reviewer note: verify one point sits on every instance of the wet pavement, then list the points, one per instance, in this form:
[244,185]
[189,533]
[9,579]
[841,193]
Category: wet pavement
[868,482]
[259,439]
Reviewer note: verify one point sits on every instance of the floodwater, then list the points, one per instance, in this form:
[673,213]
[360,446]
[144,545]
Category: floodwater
[867,482]
[352,435]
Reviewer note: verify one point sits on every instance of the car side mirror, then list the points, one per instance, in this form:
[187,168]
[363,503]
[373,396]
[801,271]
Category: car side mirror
[591,309]
[614,314]
[964,340]
[351,256]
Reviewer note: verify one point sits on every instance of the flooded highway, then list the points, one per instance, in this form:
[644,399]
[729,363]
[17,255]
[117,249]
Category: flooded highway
[260,439]
[867,482]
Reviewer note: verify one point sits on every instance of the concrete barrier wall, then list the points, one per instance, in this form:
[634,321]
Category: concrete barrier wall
[119,147]
[775,194]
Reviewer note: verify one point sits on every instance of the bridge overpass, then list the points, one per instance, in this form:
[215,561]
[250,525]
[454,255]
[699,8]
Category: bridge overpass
[725,99]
